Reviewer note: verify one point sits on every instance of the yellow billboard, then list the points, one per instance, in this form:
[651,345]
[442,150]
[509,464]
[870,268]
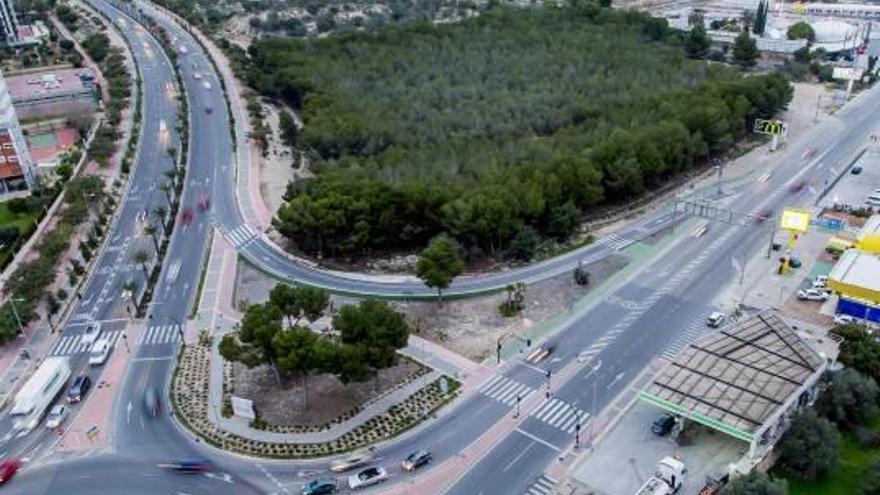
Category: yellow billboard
[795,220]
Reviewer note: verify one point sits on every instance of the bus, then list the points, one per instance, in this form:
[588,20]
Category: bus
[38,393]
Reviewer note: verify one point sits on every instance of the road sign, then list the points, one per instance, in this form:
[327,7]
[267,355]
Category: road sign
[847,73]
[771,127]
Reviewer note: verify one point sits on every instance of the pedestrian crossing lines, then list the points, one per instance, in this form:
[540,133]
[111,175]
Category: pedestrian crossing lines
[73,344]
[615,242]
[505,390]
[160,334]
[560,415]
[693,332]
[240,235]
[544,485]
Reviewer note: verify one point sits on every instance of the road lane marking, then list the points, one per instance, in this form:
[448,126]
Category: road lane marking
[518,457]
[539,440]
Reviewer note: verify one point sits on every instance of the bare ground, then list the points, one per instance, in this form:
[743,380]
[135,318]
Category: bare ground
[471,327]
[328,398]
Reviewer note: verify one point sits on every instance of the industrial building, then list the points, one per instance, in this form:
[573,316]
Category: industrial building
[16,168]
[856,276]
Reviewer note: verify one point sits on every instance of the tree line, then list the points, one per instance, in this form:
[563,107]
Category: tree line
[514,122]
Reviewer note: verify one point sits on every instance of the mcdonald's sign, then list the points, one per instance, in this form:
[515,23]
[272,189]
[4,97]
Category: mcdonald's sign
[771,127]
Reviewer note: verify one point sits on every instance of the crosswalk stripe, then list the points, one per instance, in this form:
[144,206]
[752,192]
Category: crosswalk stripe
[489,383]
[563,412]
[507,387]
[497,386]
[551,410]
[569,423]
[509,396]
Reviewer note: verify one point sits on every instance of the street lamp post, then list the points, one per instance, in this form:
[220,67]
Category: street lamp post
[577,431]
[547,394]
[518,399]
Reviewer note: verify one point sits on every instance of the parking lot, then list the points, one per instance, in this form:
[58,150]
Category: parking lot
[628,454]
[853,189]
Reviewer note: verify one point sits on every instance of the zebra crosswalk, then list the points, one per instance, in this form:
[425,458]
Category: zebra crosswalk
[160,334]
[544,485]
[73,344]
[560,415]
[693,332]
[240,235]
[505,390]
[616,242]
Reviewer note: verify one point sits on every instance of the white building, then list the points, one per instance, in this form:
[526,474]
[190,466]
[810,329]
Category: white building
[16,167]
[8,23]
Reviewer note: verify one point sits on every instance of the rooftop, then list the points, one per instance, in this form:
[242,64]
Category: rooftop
[736,379]
[57,81]
[859,269]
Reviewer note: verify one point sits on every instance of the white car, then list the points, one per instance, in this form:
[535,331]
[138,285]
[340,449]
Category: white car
[842,319]
[99,352]
[820,282]
[368,477]
[93,331]
[812,295]
[355,460]
[206,85]
[56,416]
[715,319]
[197,75]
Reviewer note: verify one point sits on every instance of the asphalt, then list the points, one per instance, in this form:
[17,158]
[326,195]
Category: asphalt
[620,334]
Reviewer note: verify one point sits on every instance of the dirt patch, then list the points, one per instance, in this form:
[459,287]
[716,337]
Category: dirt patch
[252,285]
[329,399]
[471,327]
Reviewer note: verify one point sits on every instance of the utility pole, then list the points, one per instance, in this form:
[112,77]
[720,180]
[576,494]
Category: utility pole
[125,341]
[547,394]
[518,399]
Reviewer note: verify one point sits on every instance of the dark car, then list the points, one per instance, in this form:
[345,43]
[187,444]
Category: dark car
[320,487]
[188,466]
[151,402]
[79,389]
[416,460]
[856,170]
[663,425]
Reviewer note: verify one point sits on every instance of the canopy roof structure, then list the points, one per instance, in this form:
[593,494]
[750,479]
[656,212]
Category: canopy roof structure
[735,380]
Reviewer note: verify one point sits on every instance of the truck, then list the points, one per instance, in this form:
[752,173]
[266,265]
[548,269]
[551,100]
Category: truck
[38,393]
[667,478]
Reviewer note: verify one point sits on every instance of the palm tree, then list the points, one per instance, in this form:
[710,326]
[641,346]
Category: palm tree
[151,231]
[167,188]
[172,174]
[141,257]
[161,212]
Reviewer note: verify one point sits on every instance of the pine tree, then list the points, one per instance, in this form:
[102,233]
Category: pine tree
[760,18]
[745,50]
[697,42]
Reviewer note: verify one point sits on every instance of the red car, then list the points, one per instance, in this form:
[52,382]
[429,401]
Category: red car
[8,468]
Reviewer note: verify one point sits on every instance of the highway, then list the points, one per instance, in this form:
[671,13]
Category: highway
[616,337]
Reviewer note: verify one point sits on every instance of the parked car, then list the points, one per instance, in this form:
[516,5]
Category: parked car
[151,402]
[79,389]
[812,295]
[820,281]
[368,477]
[93,330]
[842,319]
[856,170]
[56,416]
[355,460]
[320,487]
[100,351]
[663,425]
[8,468]
[416,460]
[715,319]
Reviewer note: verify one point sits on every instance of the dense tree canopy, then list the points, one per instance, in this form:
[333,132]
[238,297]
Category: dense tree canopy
[514,118]
[811,446]
[859,350]
[755,483]
[850,399]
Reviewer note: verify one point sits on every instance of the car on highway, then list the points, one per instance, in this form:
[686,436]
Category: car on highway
[79,389]
[100,351]
[856,170]
[197,75]
[322,486]
[8,468]
[355,460]
[367,477]
[663,424]
[56,416]
[151,402]
[209,109]
[188,466]
[91,334]
[715,319]
[812,295]
[416,460]
[206,85]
